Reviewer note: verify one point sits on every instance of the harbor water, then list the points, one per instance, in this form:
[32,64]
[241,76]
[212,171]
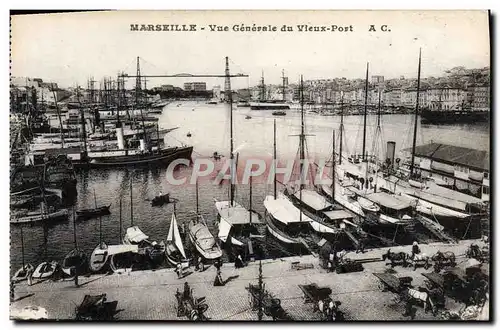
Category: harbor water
[209,128]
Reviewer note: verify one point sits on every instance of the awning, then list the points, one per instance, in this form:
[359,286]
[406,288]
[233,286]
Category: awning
[283,210]
[385,200]
[135,235]
[312,199]
[235,214]
[338,215]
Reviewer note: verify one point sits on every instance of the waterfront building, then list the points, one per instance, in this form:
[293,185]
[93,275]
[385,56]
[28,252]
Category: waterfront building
[195,86]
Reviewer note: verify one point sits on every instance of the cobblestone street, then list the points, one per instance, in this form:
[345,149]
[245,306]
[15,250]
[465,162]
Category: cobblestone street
[150,295]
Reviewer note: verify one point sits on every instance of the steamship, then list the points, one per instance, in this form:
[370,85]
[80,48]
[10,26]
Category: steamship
[267,104]
[136,155]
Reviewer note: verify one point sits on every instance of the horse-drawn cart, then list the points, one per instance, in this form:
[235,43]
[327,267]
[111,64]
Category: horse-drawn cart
[468,287]
[389,282]
[402,287]
[323,303]
[192,308]
[271,306]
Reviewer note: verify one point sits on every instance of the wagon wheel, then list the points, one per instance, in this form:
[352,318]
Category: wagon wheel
[382,286]
[397,299]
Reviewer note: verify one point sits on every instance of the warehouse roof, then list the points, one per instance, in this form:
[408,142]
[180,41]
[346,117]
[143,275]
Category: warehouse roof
[453,155]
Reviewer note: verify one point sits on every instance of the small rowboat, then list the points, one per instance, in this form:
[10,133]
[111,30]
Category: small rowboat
[22,273]
[160,200]
[45,270]
[94,212]
[75,259]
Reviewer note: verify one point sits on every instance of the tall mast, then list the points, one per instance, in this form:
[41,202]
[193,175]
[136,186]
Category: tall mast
[138,84]
[274,159]
[197,208]
[283,87]
[416,115]
[82,119]
[131,205]
[341,126]
[119,100]
[250,193]
[120,237]
[379,109]
[74,227]
[230,98]
[22,246]
[364,116]
[262,88]
[333,167]
[302,135]
[58,115]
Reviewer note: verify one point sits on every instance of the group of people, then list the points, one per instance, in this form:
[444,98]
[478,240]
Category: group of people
[200,267]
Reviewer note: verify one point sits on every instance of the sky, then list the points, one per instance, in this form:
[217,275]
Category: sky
[71,47]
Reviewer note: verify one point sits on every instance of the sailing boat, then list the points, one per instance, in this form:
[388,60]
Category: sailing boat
[200,236]
[23,272]
[309,202]
[75,262]
[231,212]
[134,236]
[122,257]
[174,248]
[282,219]
[99,256]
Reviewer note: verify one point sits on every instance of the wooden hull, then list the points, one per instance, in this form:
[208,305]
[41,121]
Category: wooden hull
[148,160]
[92,213]
[75,259]
[211,254]
[45,270]
[99,258]
[22,273]
[61,214]
[280,235]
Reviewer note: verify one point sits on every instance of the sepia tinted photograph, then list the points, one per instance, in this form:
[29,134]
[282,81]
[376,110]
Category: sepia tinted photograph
[258,165]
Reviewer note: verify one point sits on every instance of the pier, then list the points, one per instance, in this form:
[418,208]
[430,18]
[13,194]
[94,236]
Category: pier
[150,295]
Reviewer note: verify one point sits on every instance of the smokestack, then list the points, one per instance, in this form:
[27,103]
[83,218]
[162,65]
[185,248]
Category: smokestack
[391,150]
[119,137]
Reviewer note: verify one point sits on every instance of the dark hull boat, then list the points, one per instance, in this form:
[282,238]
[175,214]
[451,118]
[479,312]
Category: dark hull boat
[160,200]
[453,116]
[92,213]
[161,158]
[75,260]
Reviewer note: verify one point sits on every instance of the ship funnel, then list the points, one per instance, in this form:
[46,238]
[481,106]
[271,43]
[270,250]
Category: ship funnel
[119,137]
[143,145]
[391,150]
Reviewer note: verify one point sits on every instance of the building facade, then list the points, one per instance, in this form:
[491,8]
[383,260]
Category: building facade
[195,86]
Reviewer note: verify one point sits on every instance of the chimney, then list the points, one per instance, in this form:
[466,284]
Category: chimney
[391,150]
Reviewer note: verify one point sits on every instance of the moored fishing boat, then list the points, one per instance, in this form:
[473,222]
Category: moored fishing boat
[32,217]
[203,240]
[45,270]
[75,260]
[22,273]
[174,248]
[93,212]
